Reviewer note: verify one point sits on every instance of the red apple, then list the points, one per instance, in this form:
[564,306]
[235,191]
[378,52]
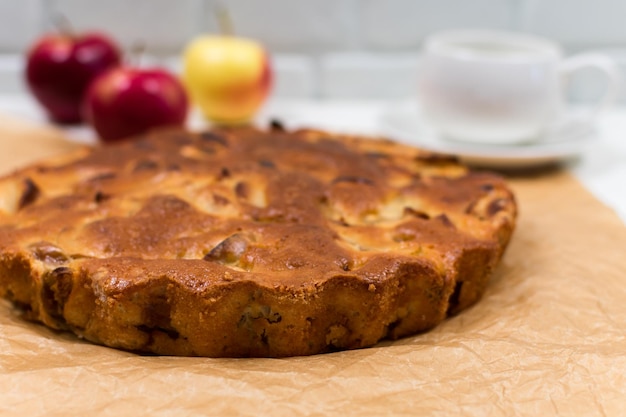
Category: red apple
[60,67]
[127,101]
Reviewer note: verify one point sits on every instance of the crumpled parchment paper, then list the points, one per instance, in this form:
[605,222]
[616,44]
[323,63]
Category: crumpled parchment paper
[548,337]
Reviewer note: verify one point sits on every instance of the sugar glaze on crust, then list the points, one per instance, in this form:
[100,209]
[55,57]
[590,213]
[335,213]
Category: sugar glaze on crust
[249,242]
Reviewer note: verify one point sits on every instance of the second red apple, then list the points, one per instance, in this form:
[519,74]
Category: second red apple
[128,101]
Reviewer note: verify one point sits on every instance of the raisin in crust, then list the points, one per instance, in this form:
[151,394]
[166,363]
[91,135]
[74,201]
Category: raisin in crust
[247,242]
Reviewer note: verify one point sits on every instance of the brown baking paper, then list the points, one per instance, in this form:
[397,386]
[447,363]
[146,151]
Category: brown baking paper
[548,338]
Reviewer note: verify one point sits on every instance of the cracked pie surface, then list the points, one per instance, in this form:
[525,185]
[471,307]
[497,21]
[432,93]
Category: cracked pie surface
[238,242]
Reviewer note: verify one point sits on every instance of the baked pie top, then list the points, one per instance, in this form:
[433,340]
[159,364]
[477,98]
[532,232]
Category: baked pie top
[110,242]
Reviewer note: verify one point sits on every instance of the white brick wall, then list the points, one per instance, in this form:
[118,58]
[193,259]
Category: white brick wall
[20,22]
[578,24]
[163,25]
[402,24]
[294,25]
[323,48]
[368,75]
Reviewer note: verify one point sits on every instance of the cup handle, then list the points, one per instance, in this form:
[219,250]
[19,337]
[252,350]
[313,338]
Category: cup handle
[612,73]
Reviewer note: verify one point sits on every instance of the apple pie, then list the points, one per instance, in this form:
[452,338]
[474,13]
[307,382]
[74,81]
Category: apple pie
[240,242]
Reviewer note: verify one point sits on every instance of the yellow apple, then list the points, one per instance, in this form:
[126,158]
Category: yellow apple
[227,77]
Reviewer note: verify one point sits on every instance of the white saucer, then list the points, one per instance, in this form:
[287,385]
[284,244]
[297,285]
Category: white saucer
[403,123]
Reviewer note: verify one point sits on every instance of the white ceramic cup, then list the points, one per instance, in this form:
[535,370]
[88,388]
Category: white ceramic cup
[496,87]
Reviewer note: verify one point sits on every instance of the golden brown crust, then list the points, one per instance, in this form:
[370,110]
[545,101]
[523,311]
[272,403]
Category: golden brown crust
[247,242]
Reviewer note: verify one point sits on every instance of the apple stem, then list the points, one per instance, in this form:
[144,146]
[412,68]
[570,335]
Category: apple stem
[224,21]
[137,50]
[63,24]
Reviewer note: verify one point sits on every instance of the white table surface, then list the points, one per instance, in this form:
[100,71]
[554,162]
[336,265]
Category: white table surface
[601,169]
